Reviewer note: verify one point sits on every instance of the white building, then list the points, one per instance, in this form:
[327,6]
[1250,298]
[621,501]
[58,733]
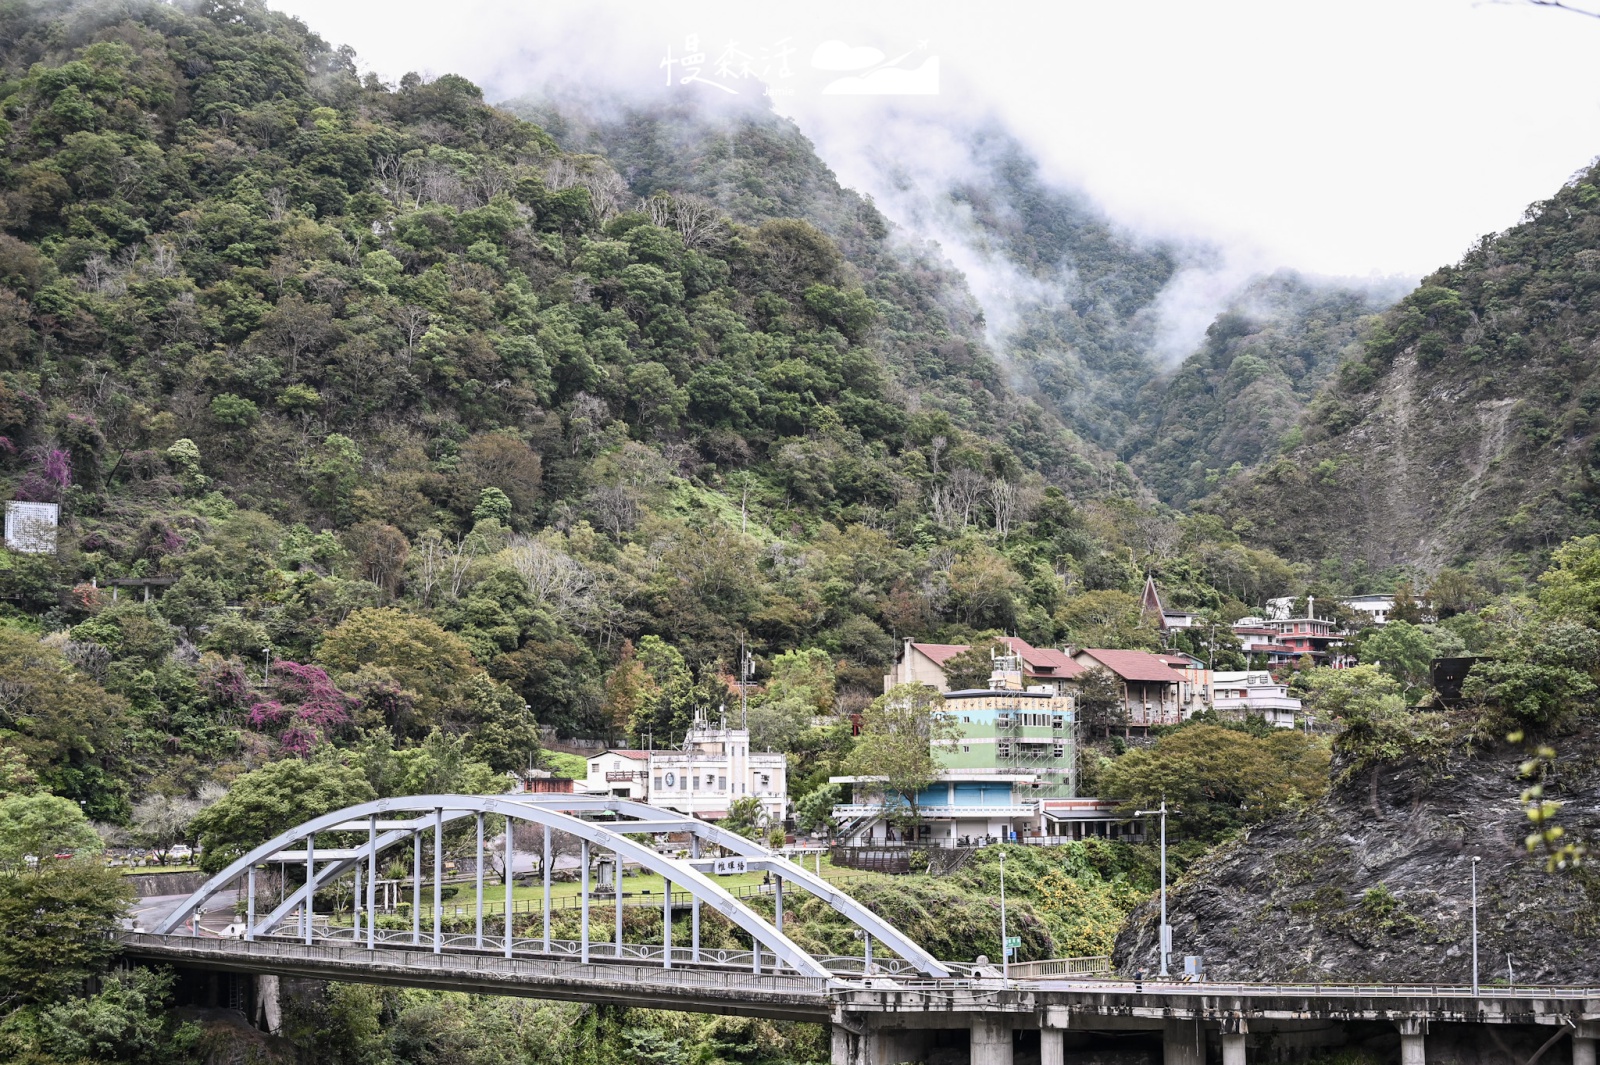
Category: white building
[1253,691]
[1376,608]
[714,767]
[625,774]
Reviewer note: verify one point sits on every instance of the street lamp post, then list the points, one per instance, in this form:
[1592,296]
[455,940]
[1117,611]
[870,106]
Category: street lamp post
[266,670]
[1005,943]
[1475,926]
[1165,945]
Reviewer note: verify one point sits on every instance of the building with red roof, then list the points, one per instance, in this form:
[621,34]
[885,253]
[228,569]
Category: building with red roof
[924,663]
[1152,691]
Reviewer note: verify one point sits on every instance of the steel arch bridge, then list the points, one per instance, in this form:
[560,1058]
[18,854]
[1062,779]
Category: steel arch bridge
[386,824]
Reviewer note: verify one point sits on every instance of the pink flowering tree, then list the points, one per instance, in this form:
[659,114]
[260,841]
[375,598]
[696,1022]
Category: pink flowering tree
[302,708]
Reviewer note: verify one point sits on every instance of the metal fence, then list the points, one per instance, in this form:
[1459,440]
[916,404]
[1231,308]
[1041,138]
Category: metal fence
[1048,967]
[543,968]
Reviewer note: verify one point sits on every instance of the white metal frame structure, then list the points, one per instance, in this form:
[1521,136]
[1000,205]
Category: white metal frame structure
[388,823]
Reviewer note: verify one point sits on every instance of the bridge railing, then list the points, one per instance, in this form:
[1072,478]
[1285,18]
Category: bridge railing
[1048,967]
[266,952]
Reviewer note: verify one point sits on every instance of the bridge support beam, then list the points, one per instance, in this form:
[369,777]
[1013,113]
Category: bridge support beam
[1413,1036]
[991,1042]
[1183,1043]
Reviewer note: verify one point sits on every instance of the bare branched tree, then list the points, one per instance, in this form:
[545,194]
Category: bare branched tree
[555,578]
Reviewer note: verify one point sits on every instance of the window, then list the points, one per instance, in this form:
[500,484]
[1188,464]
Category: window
[696,786]
[657,783]
[722,783]
[1003,749]
[1058,751]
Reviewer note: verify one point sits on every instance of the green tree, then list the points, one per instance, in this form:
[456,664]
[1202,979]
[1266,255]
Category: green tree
[1106,618]
[814,809]
[42,826]
[60,720]
[1541,677]
[61,921]
[1401,650]
[273,799]
[1098,702]
[128,1020]
[901,734]
[746,817]
[1220,779]
[433,666]
[1570,588]
[972,667]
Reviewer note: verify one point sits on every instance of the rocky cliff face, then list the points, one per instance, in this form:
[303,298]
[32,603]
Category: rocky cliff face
[1374,882]
[1469,424]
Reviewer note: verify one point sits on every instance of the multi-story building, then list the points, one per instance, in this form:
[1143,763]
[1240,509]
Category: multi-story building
[1151,690]
[1254,692]
[714,767]
[1375,608]
[1013,750]
[924,663]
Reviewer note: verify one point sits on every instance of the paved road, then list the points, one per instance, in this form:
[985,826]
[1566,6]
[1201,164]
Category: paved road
[148,912]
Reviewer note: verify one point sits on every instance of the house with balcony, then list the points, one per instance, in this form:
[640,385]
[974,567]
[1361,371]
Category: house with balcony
[1246,693]
[622,773]
[923,663]
[1152,691]
[1014,749]
[712,768]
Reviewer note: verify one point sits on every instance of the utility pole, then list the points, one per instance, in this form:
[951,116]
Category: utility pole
[744,685]
[1475,926]
[1165,945]
[1005,941]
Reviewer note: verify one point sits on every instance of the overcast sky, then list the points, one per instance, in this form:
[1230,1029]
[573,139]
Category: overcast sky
[1354,137]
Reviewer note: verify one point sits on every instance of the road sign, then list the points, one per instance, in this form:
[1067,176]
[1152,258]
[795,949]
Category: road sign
[1013,941]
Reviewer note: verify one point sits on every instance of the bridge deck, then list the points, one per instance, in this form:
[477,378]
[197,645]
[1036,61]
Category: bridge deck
[1090,1004]
[786,997]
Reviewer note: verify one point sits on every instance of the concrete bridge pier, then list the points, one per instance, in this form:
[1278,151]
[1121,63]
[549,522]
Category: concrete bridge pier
[1052,1046]
[1234,1032]
[1583,1042]
[1413,1033]
[856,1041]
[1183,1042]
[991,1041]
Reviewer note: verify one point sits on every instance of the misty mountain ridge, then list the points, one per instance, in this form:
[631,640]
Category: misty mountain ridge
[1077,309]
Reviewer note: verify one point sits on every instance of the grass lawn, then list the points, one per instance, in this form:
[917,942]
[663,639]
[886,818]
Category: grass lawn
[575,766]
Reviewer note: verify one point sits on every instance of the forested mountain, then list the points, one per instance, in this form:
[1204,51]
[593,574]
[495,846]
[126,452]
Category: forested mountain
[369,375]
[1238,399]
[757,167]
[1465,426]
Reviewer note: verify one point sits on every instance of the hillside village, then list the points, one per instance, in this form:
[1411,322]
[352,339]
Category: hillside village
[1008,767]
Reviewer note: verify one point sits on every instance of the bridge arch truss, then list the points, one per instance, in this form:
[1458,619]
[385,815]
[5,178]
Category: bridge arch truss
[385,824]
